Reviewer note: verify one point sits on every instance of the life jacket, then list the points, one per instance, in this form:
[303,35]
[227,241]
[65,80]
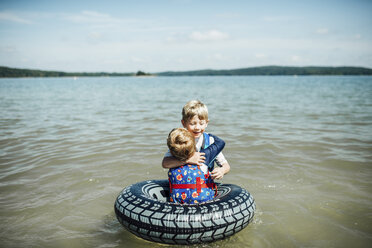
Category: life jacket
[205,144]
[189,184]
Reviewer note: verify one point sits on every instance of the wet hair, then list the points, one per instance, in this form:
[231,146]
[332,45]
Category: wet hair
[192,108]
[181,143]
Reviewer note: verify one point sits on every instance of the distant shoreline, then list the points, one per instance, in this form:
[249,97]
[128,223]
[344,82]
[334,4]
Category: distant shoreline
[7,72]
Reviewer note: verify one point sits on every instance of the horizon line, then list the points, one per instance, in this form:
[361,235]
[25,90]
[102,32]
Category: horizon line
[192,70]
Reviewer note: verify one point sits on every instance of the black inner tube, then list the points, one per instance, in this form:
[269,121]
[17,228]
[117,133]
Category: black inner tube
[144,209]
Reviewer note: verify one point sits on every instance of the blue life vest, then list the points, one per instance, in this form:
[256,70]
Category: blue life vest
[189,184]
[205,144]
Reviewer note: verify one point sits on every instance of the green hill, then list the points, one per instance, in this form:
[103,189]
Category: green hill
[13,72]
[252,71]
[275,70]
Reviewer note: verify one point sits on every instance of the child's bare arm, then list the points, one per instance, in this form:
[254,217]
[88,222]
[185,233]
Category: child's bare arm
[219,172]
[171,162]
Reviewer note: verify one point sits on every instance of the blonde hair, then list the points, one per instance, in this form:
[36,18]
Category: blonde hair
[181,143]
[192,108]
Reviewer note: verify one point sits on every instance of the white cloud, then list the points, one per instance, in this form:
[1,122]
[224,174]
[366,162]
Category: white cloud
[8,49]
[98,19]
[212,35]
[229,15]
[7,16]
[90,17]
[215,57]
[295,58]
[260,55]
[279,18]
[138,59]
[322,31]
[95,35]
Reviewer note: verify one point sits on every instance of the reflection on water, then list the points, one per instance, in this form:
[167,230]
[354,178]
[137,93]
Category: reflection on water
[302,146]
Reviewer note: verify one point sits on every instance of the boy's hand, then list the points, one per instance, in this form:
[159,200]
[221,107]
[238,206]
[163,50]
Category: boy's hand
[198,158]
[218,173]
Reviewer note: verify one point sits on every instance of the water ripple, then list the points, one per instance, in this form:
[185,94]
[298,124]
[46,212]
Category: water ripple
[302,146]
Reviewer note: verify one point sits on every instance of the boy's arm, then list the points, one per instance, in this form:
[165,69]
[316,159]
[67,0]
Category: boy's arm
[171,162]
[224,166]
[219,172]
[213,150]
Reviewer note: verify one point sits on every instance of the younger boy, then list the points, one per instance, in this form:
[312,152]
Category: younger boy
[195,120]
[188,183]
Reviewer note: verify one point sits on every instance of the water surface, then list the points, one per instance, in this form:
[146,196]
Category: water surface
[301,145]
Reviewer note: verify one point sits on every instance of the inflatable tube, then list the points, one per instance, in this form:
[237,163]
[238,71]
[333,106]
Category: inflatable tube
[144,209]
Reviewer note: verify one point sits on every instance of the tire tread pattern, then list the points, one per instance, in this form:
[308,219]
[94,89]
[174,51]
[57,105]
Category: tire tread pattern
[170,223]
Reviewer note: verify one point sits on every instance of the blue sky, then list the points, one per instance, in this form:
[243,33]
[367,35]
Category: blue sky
[155,36]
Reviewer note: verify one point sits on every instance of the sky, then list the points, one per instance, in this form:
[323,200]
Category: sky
[181,35]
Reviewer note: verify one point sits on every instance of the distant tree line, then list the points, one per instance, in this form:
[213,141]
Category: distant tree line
[263,70]
[275,70]
[141,73]
[12,72]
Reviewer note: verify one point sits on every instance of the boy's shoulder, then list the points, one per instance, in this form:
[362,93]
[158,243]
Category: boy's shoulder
[211,139]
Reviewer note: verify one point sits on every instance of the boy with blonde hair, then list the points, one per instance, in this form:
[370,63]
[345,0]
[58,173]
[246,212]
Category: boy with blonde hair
[188,183]
[195,120]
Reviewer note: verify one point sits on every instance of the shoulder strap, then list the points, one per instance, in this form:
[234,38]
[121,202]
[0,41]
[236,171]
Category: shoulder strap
[206,141]
[212,150]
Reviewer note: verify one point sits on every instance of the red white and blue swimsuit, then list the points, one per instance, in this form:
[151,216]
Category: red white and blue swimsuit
[188,183]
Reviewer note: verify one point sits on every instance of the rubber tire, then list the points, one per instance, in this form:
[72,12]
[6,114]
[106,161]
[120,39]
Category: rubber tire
[165,222]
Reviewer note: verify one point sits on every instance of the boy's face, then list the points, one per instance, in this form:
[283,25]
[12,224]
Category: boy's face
[195,126]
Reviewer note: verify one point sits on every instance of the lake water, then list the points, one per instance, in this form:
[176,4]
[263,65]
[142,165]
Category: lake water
[302,146]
